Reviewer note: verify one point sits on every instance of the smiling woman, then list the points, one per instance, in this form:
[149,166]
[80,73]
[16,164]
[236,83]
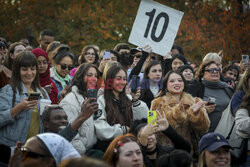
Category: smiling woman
[214,151]
[89,55]
[208,85]
[116,110]
[64,62]
[77,106]
[184,113]
[17,113]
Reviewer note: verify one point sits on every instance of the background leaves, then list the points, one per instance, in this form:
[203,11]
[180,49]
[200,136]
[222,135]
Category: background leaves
[207,25]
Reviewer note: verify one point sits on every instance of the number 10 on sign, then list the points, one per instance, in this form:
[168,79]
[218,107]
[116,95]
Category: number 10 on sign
[155,25]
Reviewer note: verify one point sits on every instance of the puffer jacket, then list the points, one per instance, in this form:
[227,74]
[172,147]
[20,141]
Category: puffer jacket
[86,138]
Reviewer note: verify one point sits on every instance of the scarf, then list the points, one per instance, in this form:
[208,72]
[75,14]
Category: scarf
[65,80]
[59,147]
[45,77]
[214,85]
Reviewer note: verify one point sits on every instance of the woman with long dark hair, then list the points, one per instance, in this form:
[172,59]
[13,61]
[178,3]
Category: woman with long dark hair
[20,117]
[152,82]
[117,110]
[75,103]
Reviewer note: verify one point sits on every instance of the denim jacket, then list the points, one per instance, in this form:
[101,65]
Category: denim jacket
[17,128]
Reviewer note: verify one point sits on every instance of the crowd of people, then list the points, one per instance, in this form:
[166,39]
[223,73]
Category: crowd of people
[62,109]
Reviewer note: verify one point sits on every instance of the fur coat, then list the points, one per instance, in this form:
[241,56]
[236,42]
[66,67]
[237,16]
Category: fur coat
[181,117]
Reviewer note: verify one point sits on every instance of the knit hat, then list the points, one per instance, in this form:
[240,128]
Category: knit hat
[182,68]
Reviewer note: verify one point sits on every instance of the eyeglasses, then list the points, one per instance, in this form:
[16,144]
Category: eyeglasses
[29,154]
[212,70]
[90,54]
[64,66]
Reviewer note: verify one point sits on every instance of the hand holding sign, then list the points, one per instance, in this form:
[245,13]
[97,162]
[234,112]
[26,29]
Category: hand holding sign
[156,25]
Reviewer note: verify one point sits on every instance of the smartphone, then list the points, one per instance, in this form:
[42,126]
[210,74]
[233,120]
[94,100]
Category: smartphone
[106,55]
[135,83]
[92,93]
[245,59]
[152,116]
[34,96]
[211,101]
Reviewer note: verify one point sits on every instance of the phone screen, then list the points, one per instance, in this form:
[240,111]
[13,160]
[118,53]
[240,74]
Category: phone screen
[106,55]
[92,93]
[151,116]
[135,83]
[34,96]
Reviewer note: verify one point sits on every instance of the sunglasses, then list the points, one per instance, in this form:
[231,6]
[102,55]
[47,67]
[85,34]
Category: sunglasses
[138,56]
[212,70]
[64,66]
[29,154]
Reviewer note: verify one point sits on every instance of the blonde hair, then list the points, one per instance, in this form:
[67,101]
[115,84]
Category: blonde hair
[202,162]
[106,68]
[211,57]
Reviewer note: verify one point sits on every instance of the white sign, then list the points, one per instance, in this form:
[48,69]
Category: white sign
[155,25]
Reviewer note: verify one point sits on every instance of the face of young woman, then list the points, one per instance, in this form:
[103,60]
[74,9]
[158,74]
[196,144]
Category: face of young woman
[155,73]
[120,81]
[188,74]
[42,64]
[212,73]
[176,64]
[130,155]
[91,78]
[65,62]
[218,158]
[28,74]
[90,56]
[175,84]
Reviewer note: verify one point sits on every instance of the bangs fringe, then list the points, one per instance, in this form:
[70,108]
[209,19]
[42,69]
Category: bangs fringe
[28,61]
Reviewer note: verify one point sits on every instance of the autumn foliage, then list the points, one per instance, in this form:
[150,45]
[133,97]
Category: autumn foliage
[207,26]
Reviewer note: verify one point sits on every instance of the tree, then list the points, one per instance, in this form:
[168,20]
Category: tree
[207,26]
